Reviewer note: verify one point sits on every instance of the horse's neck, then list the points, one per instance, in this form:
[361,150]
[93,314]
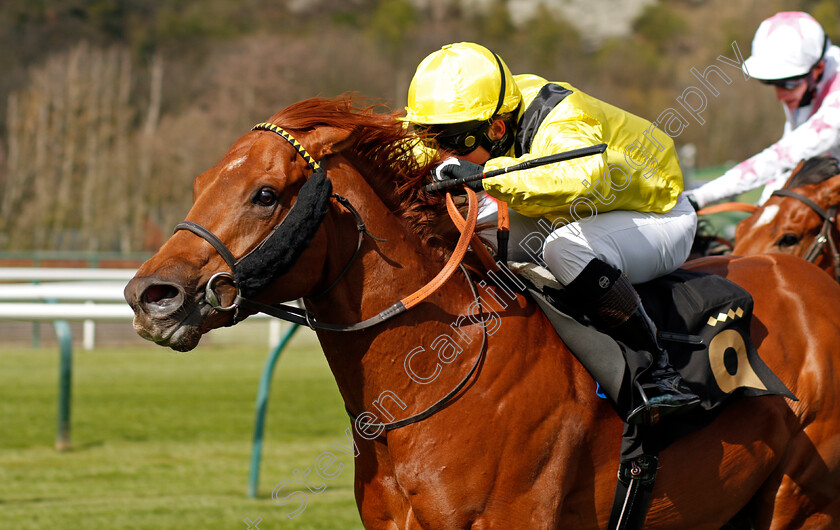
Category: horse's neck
[367,363]
[402,366]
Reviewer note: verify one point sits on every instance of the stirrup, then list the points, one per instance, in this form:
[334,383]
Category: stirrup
[650,412]
[644,414]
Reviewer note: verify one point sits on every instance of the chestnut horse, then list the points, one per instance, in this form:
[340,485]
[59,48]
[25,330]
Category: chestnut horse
[800,219]
[525,443]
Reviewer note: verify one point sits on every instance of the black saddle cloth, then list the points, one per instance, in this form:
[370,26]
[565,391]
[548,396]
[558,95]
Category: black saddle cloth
[721,313]
[683,303]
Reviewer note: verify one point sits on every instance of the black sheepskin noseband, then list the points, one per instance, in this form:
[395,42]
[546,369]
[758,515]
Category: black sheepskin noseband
[280,250]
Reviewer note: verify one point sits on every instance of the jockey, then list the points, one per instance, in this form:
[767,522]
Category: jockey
[792,53]
[599,223]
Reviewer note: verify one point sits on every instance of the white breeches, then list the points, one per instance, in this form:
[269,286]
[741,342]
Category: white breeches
[643,245]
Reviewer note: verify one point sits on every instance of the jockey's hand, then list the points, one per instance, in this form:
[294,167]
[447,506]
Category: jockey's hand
[453,168]
[693,202]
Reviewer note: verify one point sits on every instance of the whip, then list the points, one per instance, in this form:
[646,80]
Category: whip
[528,164]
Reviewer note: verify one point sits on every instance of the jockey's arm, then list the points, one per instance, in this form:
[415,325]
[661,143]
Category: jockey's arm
[819,134]
[542,190]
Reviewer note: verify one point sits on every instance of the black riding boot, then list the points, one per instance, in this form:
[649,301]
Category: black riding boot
[662,390]
[612,303]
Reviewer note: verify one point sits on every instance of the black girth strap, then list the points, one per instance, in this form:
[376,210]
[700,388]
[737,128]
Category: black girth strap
[633,492]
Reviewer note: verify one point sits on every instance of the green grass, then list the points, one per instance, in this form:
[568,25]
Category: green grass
[163,440]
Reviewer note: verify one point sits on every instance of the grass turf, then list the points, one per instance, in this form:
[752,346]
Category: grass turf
[163,440]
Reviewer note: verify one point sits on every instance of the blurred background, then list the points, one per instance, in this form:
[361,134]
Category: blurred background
[110,108]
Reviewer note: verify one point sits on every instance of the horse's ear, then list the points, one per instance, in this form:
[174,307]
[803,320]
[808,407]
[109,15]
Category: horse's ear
[830,191]
[328,140]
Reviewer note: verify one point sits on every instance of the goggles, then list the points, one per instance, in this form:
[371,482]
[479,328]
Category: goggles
[788,84]
[459,139]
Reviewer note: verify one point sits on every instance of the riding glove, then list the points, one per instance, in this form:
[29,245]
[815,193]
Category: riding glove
[453,168]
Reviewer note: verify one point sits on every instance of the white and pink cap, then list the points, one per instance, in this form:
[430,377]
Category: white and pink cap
[788,44]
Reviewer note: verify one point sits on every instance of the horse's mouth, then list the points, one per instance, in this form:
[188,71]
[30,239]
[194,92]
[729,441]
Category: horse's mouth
[180,331]
[171,312]
[179,337]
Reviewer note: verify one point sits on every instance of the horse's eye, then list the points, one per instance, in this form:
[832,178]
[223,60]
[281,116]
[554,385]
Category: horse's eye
[266,197]
[788,240]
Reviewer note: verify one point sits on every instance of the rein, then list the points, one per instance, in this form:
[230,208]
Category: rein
[301,316]
[728,207]
[825,237]
[442,402]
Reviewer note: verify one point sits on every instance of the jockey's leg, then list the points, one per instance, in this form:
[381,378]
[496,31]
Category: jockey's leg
[588,257]
[643,245]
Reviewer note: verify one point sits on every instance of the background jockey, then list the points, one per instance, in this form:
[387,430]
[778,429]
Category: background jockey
[792,53]
[613,219]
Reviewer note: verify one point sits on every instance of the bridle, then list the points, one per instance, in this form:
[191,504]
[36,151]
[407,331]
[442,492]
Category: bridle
[314,198]
[826,235]
[321,184]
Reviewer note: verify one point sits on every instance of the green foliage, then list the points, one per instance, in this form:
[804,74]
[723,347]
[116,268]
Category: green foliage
[827,13]
[551,42]
[496,25]
[108,16]
[391,23]
[659,25]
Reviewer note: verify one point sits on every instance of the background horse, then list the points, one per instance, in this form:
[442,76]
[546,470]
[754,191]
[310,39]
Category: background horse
[525,443]
[800,219]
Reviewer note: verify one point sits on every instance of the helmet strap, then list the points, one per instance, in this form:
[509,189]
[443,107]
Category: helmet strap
[501,87]
[501,146]
[811,91]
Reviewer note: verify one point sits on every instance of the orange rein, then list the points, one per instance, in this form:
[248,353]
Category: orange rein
[467,229]
[728,207]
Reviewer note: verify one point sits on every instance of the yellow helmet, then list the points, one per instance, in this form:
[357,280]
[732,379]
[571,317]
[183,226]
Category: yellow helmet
[459,83]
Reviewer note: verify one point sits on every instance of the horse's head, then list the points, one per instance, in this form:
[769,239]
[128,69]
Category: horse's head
[792,220]
[264,217]
[263,202]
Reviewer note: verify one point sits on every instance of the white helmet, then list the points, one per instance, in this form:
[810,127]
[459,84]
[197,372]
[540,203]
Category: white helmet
[788,44]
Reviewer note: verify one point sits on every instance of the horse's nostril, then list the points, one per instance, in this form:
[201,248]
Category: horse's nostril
[157,293]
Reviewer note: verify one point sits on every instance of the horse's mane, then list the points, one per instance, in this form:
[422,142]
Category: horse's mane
[814,171]
[384,145]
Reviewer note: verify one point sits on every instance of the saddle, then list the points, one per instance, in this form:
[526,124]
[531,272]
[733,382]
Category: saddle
[704,323]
